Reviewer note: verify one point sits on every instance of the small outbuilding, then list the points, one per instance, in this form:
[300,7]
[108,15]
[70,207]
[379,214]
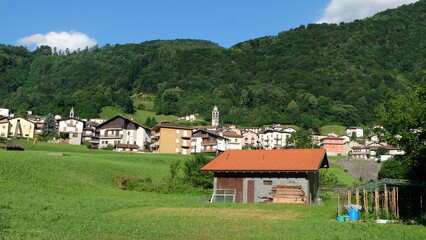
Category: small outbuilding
[256,176]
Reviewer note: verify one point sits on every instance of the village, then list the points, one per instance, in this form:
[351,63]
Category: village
[124,134]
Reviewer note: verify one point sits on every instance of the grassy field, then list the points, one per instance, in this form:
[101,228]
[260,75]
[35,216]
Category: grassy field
[337,129]
[74,197]
[139,116]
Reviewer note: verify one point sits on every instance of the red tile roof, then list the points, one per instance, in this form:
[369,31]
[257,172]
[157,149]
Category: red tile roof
[232,134]
[280,160]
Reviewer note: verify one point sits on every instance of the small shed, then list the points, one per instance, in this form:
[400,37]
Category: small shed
[256,176]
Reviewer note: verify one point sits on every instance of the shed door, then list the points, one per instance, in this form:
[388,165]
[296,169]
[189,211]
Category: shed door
[250,191]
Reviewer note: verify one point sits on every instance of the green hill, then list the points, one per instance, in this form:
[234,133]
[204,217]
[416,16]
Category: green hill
[312,75]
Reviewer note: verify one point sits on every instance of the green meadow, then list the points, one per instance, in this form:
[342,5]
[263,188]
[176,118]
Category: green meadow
[44,196]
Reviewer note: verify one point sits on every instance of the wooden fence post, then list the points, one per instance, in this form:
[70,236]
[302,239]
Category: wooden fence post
[357,196]
[376,198]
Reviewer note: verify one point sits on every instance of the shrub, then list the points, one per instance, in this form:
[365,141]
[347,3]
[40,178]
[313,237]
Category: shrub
[109,147]
[140,106]
[87,144]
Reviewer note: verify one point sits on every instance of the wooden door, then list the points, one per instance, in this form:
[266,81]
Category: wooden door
[250,191]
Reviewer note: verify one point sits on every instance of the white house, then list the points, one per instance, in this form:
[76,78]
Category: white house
[205,141]
[124,134]
[235,140]
[273,139]
[359,132]
[4,112]
[74,127]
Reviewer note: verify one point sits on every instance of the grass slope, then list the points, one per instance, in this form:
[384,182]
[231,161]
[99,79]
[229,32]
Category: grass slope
[139,116]
[73,197]
[337,129]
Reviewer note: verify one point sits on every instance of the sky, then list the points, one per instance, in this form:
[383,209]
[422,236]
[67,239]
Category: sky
[80,23]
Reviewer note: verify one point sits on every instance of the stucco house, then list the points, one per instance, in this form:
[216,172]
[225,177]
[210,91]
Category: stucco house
[205,141]
[250,138]
[334,146]
[124,134]
[4,127]
[74,128]
[21,127]
[359,132]
[171,138]
[235,140]
[244,176]
[273,139]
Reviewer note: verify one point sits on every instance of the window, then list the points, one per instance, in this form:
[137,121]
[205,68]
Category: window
[267,182]
[223,195]
[177,150]
[177,140]
[177,131]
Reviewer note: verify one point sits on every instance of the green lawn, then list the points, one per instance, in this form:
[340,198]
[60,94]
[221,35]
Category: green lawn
[337,129]
[74,197]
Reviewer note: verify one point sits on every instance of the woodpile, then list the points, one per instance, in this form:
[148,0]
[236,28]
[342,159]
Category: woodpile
[286,193]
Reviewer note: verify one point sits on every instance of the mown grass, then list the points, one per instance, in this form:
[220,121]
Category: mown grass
[74,197]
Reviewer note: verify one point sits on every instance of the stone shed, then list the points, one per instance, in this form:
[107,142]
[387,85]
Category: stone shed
[252,176]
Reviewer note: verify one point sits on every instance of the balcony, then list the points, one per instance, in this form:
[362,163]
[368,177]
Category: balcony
[185,145]
[155,135]
[111,136]
[185,136]
[208,143]
[155,145]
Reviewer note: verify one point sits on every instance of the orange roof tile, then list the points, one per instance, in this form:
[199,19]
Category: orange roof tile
[280,160]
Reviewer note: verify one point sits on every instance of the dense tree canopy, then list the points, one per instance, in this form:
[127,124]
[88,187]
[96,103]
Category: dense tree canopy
[310,76]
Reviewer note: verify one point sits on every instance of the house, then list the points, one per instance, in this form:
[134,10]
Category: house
[4,127]
[21,127]
[4,112]
[247,176]
[124,134]
[250,138]
[357,131]
[273,139]
[91,134]
[74,128]
[171,138]
[334,146]
[252,129]
[360,152]
[235,140]
[392,150]
[205,141]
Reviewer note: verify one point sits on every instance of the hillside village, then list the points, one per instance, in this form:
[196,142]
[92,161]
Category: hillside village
[125,134]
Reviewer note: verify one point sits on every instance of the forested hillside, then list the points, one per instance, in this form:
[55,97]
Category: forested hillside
[310,76]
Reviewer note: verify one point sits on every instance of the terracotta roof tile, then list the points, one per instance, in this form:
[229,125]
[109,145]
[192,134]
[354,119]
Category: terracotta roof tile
[280,160]
[232,134]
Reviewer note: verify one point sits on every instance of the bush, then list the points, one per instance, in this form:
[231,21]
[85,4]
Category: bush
[192,174]
[109,147]
[87,144]
[140,106]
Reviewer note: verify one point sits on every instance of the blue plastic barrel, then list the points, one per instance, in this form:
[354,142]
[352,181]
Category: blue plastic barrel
[353,214]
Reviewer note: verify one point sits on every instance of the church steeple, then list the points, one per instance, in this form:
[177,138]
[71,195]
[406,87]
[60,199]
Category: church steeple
[215,116]
[72,112]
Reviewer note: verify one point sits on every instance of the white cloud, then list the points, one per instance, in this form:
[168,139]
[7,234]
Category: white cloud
[348,10]
[61,40]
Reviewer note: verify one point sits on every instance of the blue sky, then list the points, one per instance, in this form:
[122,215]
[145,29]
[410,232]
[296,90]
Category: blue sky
[87,22]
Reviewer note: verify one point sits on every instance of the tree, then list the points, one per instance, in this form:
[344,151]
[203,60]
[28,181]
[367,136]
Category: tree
[49,125]
[302,139]
[381,151]
[404,121]
[148,122]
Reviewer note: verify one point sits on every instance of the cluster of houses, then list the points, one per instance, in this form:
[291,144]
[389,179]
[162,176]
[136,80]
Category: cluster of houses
[347,146]
[125,134]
